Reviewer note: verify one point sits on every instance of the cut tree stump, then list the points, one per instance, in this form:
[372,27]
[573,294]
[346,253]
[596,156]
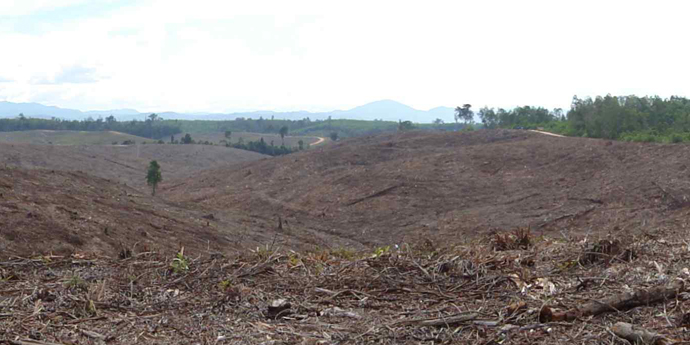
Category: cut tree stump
[615,303]
[637,335]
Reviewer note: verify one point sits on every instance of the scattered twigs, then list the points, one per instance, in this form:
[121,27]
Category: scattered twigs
[30,342]
[444,321]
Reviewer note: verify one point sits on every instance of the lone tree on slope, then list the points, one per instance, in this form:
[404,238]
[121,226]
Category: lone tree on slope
[153,176]
[283,132]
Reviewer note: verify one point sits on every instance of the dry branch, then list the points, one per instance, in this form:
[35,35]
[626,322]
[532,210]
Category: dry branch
[636,335]
[30,342]
[450,320]
[615,303]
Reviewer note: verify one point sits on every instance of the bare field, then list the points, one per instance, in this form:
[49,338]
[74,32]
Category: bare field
[123,164]
[489,237]
[392,189]
[48,137]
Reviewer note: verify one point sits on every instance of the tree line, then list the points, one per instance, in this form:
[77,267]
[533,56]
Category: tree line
[630,118]
[152,127]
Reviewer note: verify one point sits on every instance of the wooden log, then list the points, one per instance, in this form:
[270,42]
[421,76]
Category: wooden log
[637,335]
[615,303]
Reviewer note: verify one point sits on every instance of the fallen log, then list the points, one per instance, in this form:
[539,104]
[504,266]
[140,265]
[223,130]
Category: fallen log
[637,335]
[615,303]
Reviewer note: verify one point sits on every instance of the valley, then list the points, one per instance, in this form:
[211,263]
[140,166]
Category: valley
[374,239]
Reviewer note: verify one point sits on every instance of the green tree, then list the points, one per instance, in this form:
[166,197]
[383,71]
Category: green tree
[301,144]
[404,126]
[488,117]
[334,136]
[464,113]
[283,132]
[187,139]
[228,134]
[153,176]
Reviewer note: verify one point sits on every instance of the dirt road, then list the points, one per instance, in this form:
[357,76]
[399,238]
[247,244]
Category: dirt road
[547,133]
[320,141]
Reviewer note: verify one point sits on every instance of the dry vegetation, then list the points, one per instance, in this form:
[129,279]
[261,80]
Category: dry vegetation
[123,164]
[527,239]
[469,293]
[50,137]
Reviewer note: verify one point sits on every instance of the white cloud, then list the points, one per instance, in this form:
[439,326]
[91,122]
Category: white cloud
[27,7]
[75,74]
[318,55]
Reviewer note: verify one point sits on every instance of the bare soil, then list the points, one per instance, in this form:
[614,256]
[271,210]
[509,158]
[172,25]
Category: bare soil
[487,237]
[124,164]
[398,188]
[489,291]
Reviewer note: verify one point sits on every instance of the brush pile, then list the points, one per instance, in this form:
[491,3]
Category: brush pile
[491,291]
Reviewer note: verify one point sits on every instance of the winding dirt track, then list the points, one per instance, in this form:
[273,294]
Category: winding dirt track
[320,141]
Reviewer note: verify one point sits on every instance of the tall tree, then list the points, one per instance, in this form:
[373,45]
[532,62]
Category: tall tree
[488,117]
[283,132]
[154,176]
[464,113]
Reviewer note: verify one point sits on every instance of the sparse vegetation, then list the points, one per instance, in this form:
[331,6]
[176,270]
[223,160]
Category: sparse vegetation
[180,264]
[187,139]
[154,176]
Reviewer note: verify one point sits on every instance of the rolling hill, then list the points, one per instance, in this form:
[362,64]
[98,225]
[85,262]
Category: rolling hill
[452,186]
[50,137]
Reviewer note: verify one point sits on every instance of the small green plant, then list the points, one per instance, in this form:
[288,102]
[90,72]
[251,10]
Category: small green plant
[263,252]
[381,251]
[75,282]
[294,260]
[180,263]
[224,285]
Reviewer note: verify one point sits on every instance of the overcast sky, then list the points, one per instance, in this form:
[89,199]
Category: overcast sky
[202,55]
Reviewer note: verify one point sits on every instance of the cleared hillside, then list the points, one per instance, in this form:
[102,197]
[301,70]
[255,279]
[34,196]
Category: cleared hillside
[43,211]
[69,137]
[397,188]
[123,164]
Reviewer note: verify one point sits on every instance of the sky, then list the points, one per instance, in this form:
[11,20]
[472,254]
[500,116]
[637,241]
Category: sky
[225,56]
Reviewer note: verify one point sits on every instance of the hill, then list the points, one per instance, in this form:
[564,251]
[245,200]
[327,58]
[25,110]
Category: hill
[387,110]
[50,211]
[448,186]
[123,164]
[69,137]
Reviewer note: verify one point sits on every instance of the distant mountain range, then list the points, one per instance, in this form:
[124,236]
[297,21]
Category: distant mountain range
[386,110]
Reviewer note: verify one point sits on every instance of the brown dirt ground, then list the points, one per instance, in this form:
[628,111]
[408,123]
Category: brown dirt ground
[124,164]
[606,218]
[43,211]
[397,188]
[474,293]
